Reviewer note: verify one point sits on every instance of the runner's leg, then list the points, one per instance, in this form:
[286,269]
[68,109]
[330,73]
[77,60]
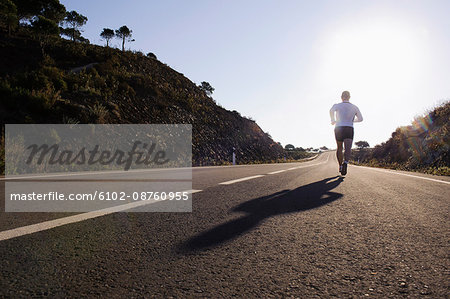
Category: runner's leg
[339,153]
[348,149]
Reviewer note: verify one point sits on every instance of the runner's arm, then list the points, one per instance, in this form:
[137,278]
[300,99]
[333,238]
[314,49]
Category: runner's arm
[359,117]
[332,111]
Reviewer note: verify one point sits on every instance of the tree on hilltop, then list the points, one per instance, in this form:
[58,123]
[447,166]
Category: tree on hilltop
[107,34]
[74,21]
[151,55]
[124,33]
[289,147]
[207,88]
[50,9]
[362,144]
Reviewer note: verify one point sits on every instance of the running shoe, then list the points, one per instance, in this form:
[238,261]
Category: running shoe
[344,168]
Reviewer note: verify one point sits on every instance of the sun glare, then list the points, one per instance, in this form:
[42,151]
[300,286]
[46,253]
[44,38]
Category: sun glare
[376,55]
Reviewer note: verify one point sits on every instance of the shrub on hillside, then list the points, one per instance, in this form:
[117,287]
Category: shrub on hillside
[424,145]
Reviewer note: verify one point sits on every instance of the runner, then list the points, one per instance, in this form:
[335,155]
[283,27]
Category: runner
[343,116]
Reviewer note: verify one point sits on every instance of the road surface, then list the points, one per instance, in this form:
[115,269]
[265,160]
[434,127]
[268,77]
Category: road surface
[279,230]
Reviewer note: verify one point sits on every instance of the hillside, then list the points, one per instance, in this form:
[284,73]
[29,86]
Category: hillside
[50,85]
[422,146]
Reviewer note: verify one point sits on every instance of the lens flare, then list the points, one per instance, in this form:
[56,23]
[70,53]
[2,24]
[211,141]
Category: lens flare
[422,124]
[417,142]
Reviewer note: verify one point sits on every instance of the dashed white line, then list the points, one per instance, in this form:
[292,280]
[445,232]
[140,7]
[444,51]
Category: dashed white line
[273,172]
[298,167]
[34,228]
[278,171]
[241,179]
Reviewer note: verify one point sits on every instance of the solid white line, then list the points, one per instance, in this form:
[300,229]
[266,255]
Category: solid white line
[241,179]
[404,174]
[278,171]
[34,228]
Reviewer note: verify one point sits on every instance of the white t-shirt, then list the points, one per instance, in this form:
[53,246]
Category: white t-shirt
[345,114]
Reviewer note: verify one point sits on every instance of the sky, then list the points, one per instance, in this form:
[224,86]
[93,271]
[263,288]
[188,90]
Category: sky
[285,63]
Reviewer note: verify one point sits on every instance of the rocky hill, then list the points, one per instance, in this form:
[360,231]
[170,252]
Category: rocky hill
[422,146]
[60,81]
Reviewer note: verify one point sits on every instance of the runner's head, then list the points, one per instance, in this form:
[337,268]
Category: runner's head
[345,95]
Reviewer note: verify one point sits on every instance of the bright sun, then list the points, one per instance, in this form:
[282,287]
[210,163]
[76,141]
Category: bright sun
[375,55]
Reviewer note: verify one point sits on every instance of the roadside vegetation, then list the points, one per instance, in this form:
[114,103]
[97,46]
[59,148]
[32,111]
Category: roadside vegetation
[423,146]
[292,153]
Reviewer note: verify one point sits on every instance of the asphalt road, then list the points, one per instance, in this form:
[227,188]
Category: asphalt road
[290,230]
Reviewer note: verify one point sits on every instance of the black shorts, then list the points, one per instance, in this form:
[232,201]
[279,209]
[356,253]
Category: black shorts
[342,133]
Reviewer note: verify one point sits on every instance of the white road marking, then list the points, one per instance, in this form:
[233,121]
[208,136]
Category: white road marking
[278,171]
[241,179]
[194,191]
[273,172]
[404,174]
[34,228]
[301,166]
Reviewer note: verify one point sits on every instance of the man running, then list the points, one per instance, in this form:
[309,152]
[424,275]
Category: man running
[343,116]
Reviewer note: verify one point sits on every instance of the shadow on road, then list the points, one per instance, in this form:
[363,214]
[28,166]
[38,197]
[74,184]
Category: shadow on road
[306,197]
